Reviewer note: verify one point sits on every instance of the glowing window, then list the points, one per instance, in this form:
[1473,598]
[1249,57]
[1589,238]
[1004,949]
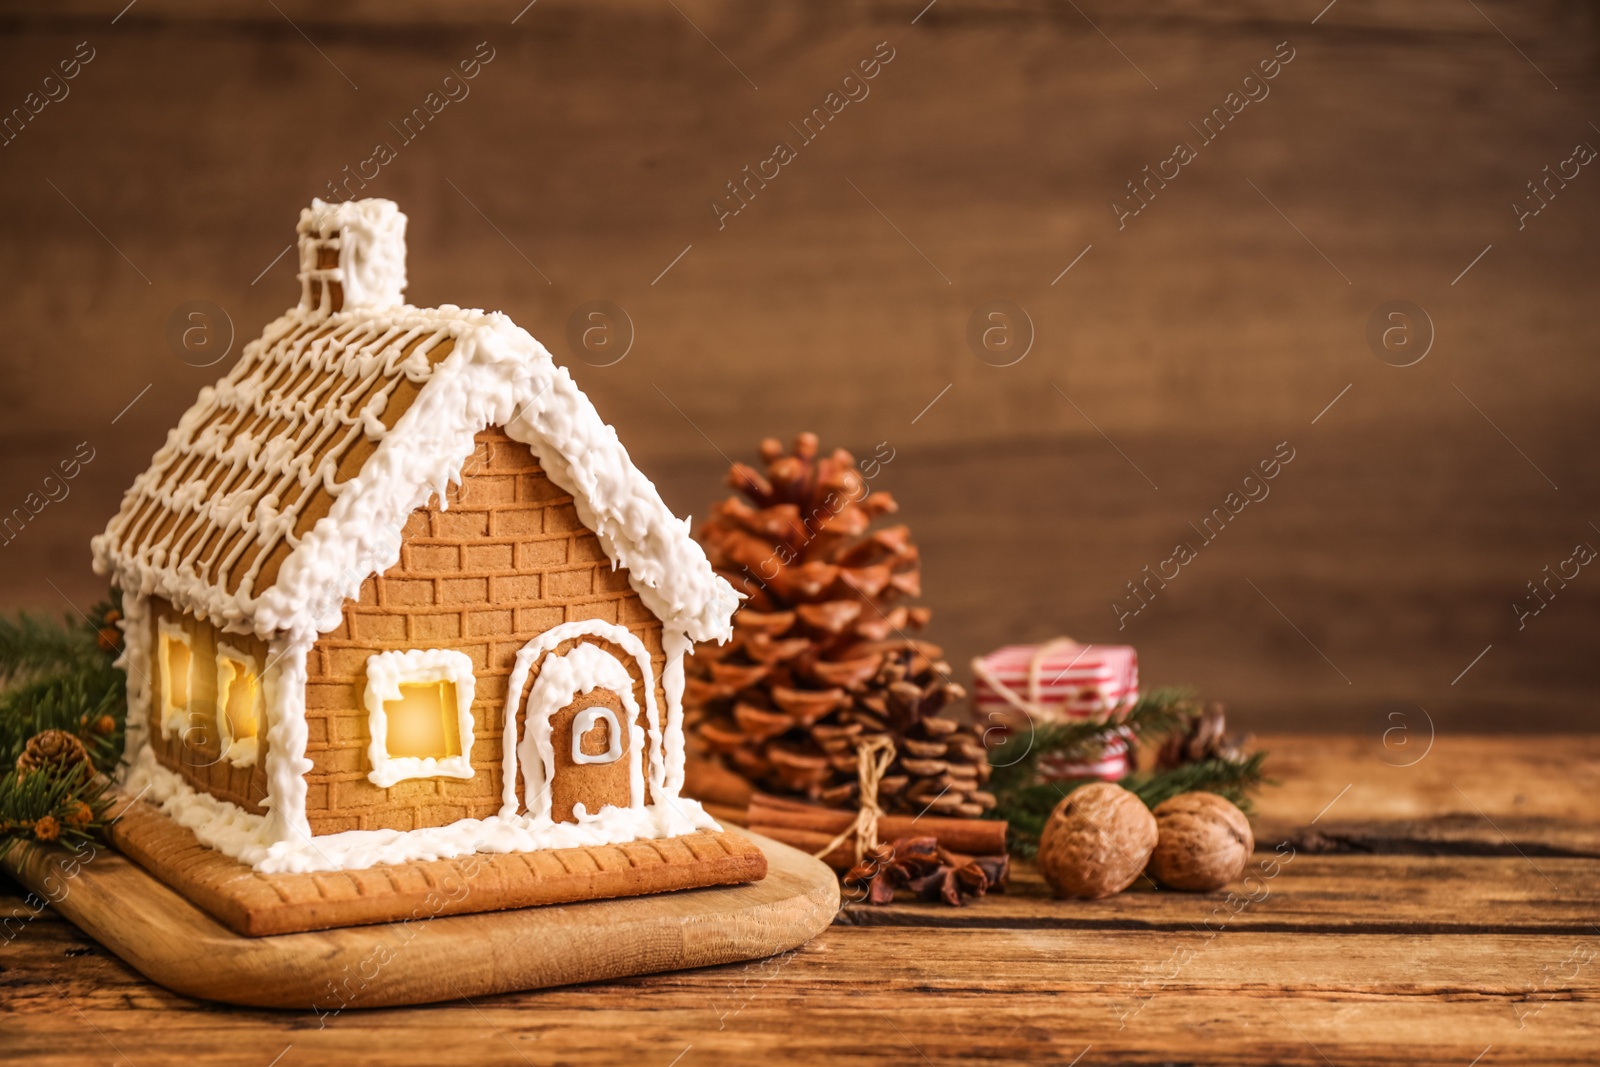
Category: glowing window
[423,722]
[419,715]
[176,668]
[239,706]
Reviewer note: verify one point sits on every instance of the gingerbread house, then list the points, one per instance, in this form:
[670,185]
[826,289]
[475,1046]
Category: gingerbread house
[393,592]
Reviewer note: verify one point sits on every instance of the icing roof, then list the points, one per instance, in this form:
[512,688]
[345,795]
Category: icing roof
[287,484]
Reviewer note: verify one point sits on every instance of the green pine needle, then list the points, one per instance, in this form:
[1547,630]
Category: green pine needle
[1026,801]
[1234,780]
[1154,714]
[56,676]
[30,646]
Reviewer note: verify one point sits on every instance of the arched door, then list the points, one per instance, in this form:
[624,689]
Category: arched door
[582,744]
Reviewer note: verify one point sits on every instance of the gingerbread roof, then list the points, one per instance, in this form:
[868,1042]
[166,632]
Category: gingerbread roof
[287,484]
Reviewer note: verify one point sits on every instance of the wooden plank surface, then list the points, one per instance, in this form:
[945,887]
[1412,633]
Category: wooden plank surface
[859,996]
[1349,958]
[1451,894]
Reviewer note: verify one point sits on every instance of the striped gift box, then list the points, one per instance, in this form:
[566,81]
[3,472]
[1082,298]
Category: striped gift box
[1059,681]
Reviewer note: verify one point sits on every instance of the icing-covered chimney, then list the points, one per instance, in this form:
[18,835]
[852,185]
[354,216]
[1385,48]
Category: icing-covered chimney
[352,255]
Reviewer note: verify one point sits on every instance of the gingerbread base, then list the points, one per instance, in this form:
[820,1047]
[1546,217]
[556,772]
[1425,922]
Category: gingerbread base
[175,944]
[256,904]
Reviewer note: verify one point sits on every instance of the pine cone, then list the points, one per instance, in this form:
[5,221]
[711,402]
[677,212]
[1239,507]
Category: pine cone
[56,752]
[820,659]
[1204,738]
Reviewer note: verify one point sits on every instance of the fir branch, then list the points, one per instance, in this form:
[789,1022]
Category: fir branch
[1028,808]
[53,809]
[91,704]
[31,646]
[1026,798]
[1234,780]
[1155,713]
[59,676]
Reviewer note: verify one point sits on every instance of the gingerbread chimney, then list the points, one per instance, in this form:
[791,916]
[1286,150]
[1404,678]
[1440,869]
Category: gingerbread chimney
[352,255]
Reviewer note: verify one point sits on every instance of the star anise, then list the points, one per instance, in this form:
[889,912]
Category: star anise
[933,873]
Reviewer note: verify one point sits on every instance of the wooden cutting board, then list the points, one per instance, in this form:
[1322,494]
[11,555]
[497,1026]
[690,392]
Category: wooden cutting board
[422,961]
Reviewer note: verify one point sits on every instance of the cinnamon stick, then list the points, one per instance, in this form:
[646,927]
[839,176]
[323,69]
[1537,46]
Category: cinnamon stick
[805,822]
[706,779]
[842,858]
[725,814]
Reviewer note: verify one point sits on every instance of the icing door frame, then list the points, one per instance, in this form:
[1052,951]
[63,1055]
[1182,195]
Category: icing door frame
[528,761]
[563,680]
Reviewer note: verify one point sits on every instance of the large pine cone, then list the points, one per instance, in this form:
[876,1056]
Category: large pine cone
[56,752]
[820,659]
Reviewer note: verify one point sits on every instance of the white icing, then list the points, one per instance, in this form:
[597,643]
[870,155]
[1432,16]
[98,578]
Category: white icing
[370,237]
[580,671]
[585,721]
[542,756]
[284,681]
[135,663]
[676,645]
[386,672]
[236,833]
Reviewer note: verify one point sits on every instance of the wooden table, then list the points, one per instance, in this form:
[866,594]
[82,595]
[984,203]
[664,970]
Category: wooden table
[1409,904]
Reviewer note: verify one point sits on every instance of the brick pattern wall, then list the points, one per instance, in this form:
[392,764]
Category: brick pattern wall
[505,562]
[194,751]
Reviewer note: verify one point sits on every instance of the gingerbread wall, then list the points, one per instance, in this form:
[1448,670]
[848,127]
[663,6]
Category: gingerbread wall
[505,562]
[195,751]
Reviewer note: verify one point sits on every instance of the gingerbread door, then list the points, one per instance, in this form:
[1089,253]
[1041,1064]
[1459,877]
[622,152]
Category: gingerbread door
[582,747]
[590,743]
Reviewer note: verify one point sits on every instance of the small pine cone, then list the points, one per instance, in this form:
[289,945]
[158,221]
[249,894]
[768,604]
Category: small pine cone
[80,814]
[103,726]
[109,638]
[45,828]
[56,752]
[1204,737]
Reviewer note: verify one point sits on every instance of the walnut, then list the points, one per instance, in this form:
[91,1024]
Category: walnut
[1096,842]
[1205,842]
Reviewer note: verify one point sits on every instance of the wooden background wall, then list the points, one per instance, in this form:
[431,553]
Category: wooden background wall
[1176,353]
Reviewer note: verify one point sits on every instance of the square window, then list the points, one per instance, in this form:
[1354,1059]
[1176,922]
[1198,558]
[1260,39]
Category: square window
[239,706]
[176,669]
[423,723]
[419,715]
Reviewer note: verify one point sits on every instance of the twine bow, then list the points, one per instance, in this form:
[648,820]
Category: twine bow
[1031,706]
[873,757]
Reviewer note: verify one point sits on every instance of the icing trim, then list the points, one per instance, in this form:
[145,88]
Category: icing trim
[587,720]
[547,642]
[562,679]
[135,664]
[386,673]
[250,839]
[370,237]
[284,682]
